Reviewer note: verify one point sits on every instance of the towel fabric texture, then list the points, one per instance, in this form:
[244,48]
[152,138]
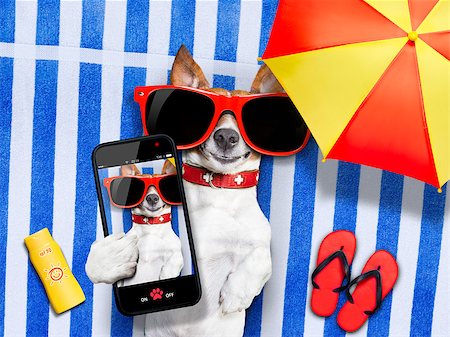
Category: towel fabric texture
[67,74]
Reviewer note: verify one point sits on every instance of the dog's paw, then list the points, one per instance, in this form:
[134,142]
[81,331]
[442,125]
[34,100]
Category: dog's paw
[233,296]
[112,258]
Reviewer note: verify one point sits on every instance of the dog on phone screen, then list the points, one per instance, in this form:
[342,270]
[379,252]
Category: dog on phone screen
[231,234]
[150,251]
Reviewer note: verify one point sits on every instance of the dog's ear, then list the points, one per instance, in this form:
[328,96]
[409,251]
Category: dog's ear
[129,170]
[265,82]
[185,71]
[169,168]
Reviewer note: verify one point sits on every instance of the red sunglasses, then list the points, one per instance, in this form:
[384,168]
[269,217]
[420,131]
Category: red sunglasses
[130,191]
[269,123]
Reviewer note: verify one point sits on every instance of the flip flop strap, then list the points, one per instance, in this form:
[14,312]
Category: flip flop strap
[372,273]
[339,254]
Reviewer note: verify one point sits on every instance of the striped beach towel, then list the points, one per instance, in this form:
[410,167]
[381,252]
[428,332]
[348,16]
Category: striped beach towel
[67,74]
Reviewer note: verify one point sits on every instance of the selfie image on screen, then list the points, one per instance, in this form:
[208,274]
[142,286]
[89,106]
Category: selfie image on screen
[143,199]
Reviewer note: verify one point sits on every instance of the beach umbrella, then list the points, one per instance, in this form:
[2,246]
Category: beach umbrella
[371,79]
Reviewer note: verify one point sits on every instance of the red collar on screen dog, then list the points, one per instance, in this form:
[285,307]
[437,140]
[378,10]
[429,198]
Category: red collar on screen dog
[143,220]
[201,176]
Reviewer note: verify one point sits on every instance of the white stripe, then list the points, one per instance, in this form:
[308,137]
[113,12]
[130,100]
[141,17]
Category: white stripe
[65,173]
[159,27]
[139,326]
[248,42]
[407,254]
[366,223]
[102,300]
[185,248]
[115,22]
[157,60]
[116,213]
[205,29]
[66,149]
[19,198]
[205,34]
[111,109]
[442,297]
[25,22]
[111,103]
[108,57]
[280,218]
[322,226]
[70,23]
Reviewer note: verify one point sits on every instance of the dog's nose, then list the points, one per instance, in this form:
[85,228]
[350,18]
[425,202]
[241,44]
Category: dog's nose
[152,199]
[226,138]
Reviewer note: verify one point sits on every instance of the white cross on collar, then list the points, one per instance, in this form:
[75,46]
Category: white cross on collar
[239,180]
[207,177]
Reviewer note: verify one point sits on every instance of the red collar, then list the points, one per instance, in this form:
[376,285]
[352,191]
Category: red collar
[157,220]
[201,176]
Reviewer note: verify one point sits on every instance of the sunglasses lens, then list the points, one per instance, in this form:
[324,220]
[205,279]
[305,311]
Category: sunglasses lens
[127,191]
[183,115]
[274,124]
[169,189]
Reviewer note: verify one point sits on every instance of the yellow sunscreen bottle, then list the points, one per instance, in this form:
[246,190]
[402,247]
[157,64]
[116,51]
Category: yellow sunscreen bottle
[62,288]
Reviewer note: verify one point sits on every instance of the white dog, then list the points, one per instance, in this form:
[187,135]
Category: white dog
[231,234]
[150,251]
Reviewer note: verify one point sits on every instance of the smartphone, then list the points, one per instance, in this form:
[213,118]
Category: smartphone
[140,192]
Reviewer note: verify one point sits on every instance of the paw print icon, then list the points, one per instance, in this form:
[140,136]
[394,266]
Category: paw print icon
[156,294]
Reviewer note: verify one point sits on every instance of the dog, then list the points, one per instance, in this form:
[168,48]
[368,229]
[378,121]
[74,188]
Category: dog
[150,251]
[231,234]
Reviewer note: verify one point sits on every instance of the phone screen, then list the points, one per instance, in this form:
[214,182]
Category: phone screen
[139,186]
[158,222]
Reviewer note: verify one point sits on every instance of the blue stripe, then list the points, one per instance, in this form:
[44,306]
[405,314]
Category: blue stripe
[347,188]
[175,224]
[223,81]
[7,20]
[123,325]
[168,76]
[264,193]
[92,24]
[6,80]
[136,34]
[387,238]
[428,261]
[126,220]
[147,170]
[264,189]
[269,9]
[42,179]
[130,127]
[228,15]
[47,26]
[85,201]
[182,25]
[303,200]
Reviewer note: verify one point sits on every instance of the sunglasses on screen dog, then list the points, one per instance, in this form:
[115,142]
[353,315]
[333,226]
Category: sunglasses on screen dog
[130,191]
[269,123]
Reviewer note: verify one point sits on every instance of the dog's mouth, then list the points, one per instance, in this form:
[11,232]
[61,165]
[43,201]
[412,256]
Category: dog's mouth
[223,158]
[154,208]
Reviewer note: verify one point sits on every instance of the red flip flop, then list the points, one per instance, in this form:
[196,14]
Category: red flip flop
[335,255]
[376,281]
